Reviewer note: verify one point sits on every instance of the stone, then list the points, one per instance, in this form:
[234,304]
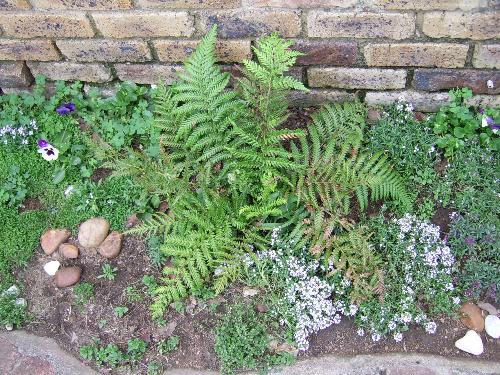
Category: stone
[261,308]
[420,116]
[47,25]
[471,343]
[471,317]
[287,348]
[51,267]
[487,56]
[68,276]
[318,97]
[429,5]
[106,50]
[410,370]
[13,290]
[325,24]
[15,74]
[488,307]
[72,71]
[132,221]
[357,78]
[111,246]
[148,73]
[20,302]
[176,4]
[14,4]
[425,102]
[68,250]
[144,24]
[300,3]
[250,292]
[9,327]
[35,50]
[373,116]
[82,4]
[492,326]
[52,238]
[92,232]
[326,52]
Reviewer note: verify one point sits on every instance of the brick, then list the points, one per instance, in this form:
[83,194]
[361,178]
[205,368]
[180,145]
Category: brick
[14,74]
[324,24]
[444,79]
[477,26]
[300,3]
[425,102]
[236,71]
[487,56]
[104,50]
[179,50]
[444,55]
[35,50]
[14,4]
[48,25]
[357,78]
[148,73]
[318,97]
[491,101]
[82,4]
[70,71]
[199,4]
[144,24]
[325,52]
[429,5]
[252,22]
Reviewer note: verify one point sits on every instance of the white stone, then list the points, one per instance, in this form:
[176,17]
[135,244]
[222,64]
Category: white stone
[492,326]
[52,267]
[470,343]
[20,302]
[250,292]
[9,327]
[12,291]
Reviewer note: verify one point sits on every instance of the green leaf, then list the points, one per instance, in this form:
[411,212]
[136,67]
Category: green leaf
[58,175]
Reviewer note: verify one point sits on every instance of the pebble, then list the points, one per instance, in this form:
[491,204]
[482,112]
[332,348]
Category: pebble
[13,290]
[92,232]
[68,276]
[51,267]
[492,326]
[20,302]
[111,246]
[250,292]
[68,250]
[492,310]
[9,327]
[52,238]
[373,116]
[470,343]
[471,317]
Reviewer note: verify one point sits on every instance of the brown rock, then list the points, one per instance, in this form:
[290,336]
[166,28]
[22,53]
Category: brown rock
[111,246]
[92,232]
[51,239]
[373,116]
[68,276]
[261,308]
[471,317]
[132,221]
[419,116]
[68,250]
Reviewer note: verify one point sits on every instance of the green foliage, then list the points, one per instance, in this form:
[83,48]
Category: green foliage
[156,256]
[457,124]
[84,293]
[167,346]
[13,311]
[132,294]
[242,340]
[112,355]
[13,191]
[120,311]
[108,272]
[154,368]
[136,349]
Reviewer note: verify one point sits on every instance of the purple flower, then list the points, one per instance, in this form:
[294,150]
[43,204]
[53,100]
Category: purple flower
[495,128]
[42,143]
[66,108]
[489,120]
[481,111]
[470,241]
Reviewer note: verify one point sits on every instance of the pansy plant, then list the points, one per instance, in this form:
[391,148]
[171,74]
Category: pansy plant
[47,151]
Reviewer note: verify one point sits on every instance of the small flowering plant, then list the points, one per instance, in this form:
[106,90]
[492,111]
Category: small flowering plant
[19,135]
[66,108]
[418,280]
[47,151]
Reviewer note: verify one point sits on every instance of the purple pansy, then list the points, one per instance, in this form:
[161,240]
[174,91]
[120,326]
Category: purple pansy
[481,111]
[42,143]
[47,151]
[66,108]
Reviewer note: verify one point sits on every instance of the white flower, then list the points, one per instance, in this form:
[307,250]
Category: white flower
[69,190]
[376,337]
[360,332]
[456,300]
[430,327]
[49,153]
[484,122]
[153,86]
[490,84]
[398,336]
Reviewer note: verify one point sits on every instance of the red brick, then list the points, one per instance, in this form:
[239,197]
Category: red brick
[324,52]
[446,79]
[14,74]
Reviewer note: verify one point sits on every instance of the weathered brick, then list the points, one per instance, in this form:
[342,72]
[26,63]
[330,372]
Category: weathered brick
[82,4]
[236,71]
[324,24]
[300,3]
[70,71]
[429,4]
[477,26]
[425,102]
[14,4]
[444,79]
[49,25]
[491,101]
[148,73]
[179,50]
[252,22]
[357,78]
[14,74]
[487,56]
[318,97]
[325,52]
[144,24]
[105,50]
[444,55]
[180,4]
[35,50]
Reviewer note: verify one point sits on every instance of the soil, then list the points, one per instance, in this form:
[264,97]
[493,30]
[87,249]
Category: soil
[30,204]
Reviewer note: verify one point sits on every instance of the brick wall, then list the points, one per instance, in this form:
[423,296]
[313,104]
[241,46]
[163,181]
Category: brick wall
[375,49]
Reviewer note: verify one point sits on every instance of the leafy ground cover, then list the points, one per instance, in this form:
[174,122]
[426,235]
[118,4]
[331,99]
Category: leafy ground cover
[271,230]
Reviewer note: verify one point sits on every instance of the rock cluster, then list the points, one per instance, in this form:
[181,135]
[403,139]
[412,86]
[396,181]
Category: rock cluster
[92,235]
